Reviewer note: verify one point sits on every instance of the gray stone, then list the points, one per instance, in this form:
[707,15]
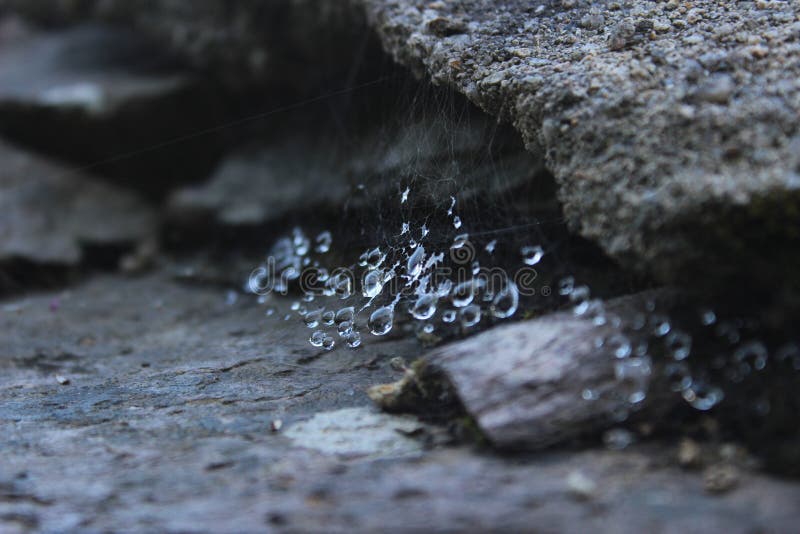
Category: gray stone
[167,423]
[687,171]
[49,212]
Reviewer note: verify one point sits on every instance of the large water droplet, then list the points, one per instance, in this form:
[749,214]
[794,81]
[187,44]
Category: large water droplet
[328,317]
[345,328]
[505,303]
[373,283]
[425,306]
[532,255]
[345,314]
[353,339]
[381,321]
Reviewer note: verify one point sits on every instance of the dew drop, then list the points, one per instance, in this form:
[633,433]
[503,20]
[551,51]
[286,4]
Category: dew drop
[345,328]
[373,283]
[317,337]
[490,246]
[619,345]
[459,241]
[328,343]
[702,397]
[463,294]
[753,353]
[449,316]
[404,229]
[323,241]
[678,344]
[328,317]
[425,306]
[457,222]
[470,315]
[312,318]
[381,321]
[353,339]
[404,195]
[414,264]
[532,255]
[708,317]
[505,303]
[300,242]
[344,314]
[428,328]
[339,284]
[476,267]
[423,231]
[566,286]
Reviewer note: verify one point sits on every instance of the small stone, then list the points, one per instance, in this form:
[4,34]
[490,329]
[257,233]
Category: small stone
[581,486]
[720,478]
[689,453]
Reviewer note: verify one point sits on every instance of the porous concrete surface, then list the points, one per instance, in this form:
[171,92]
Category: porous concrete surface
[142,404]
[671,127]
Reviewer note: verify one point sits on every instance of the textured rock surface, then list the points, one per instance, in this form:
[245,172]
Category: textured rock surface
[142,404]
[672,128]
[48,211]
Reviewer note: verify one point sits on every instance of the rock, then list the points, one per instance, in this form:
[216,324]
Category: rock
[107,100]
[258,186]
[174,391]
[49,212]
[675,169]
[548,382]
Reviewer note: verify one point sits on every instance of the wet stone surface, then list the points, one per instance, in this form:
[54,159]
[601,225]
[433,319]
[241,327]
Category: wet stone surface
[154,405]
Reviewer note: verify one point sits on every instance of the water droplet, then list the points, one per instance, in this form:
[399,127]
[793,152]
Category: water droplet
[308,297]
[404,195]
[470,315]
[505,303]
[328,317]
[345,328]
[476,267]
[428,328]
[459,241]
[423,231]
[404,229]
[678,376]
[678,344]
[381,321]
[353,339]
[339,284]
[414,265]
[660,325]
[317,337]
[531,255]
[490,246]
[449,316]
[328,343]
[373,283]
[702,397]
[618,438]
[457,222]
[708,317]
[300,242]
[452,205]
[463,294]
[425,306]
[269,311]
[753,353]
[589,395]
[372,258]
[566,286]
[345,314]
[312,318]
[324,240]
[619,345]
[295,305]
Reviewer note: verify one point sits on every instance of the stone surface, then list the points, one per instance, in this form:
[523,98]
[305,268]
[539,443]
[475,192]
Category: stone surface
[671,128]
[49,212]
[162,420]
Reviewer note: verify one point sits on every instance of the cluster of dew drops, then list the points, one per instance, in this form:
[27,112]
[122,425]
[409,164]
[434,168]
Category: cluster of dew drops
[410,270]
[400,279]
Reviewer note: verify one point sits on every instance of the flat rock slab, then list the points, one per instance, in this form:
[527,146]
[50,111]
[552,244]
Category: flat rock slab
[49,211]
[144,404]
[671,128]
